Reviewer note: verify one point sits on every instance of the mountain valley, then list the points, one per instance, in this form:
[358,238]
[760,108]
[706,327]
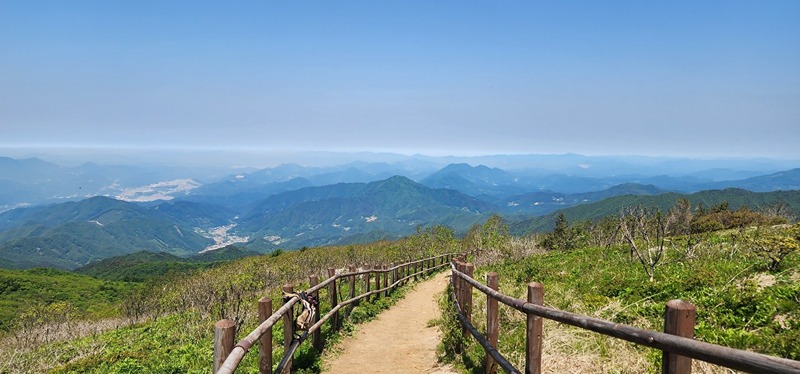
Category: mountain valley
[292,206]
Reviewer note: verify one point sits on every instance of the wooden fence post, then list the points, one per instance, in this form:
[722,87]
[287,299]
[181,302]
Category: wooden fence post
[679,318]
[377,281]
[454,291]
[334,298]
[401,273]
[265,342]
[458,299]
[533,332]
[492,322]
[385,280]
[460,285]
[352,280]
[468,270]
[288,329]
[224,334]
[393,272]
[457,283]
[316,337]
[367,280]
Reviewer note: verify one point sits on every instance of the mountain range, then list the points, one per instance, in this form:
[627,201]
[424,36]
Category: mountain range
[72,234]
[327,215]
[34,181]
[292,206]
[734,197]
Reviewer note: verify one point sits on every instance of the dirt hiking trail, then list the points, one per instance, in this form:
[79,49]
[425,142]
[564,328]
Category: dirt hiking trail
[399,340]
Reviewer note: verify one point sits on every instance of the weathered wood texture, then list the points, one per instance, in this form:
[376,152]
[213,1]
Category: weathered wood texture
[224,334]
[223,342]
[385,280]
[334,298]
[377,280]
[288,328]
[715,354]
[467,293]
[265,341]
[679,318]
[533,330]
[316,338]
[492,322]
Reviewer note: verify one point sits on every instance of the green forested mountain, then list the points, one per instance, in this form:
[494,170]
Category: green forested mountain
[477,180]
[327,215]
[137,267]
[735,198]
[780,181]
[228,253]
[239,194]
[196,214]
[72,234]
[543,202]
[33,293]
[144,265]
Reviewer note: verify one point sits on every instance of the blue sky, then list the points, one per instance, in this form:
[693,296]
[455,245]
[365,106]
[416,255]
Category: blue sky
[676,78]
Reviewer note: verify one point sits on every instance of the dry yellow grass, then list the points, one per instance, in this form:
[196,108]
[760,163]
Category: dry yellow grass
[14,348]
[568,349]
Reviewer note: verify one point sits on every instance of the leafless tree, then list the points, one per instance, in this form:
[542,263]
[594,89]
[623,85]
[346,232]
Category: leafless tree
[645,233]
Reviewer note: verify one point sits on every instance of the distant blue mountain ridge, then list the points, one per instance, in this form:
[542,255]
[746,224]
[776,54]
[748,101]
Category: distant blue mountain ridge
[286,207]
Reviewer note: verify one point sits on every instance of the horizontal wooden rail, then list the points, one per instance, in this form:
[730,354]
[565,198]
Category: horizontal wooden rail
[296,343]
[716,354]
[236,355]
[237,352]
[487,346]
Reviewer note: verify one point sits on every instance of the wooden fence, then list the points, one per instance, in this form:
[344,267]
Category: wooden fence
[676,343]
[227,356]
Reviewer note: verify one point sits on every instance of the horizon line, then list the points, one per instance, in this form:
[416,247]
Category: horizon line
[126,148]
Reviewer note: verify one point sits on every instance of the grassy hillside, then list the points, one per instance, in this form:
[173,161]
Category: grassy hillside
[736,198]
[740,302]
[173,319]
[37,296]
[142,266]
[138,267]
[73,234]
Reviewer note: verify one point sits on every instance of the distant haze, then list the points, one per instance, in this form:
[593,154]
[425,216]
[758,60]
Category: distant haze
[680,78]
[233,161]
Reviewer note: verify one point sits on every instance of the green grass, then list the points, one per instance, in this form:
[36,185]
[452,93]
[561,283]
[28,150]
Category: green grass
[180,343]
[179,340]
[39,293]
[739,303]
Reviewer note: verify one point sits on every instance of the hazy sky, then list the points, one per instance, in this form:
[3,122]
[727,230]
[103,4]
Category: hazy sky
[437,77]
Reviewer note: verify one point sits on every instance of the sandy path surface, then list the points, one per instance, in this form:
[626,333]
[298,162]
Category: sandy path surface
[398,341]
